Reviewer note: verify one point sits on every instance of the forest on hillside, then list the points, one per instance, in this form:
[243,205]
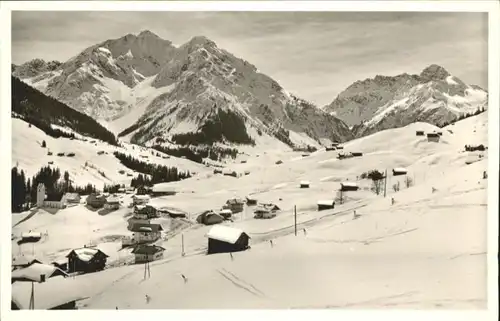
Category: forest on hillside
[41,111]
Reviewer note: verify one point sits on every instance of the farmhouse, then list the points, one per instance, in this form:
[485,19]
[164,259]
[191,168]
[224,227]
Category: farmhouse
[420,133]
[35,272]
[356,154]
[433,137]
[235,205]
[57,293]
[326,205]
[140,199]
[86,260]
[162,190]
[262,212]
[304,184]
[399,171]
[349,186]
[172,212]
[71,198]
[147,253]
[144,233]
[209,218]
[112,203]
[145,211]
[96,201]
[223,239]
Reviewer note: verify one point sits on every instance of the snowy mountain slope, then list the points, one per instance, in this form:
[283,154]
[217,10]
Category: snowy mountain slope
[123,83]
[434,96]
[413,264]
[28,154]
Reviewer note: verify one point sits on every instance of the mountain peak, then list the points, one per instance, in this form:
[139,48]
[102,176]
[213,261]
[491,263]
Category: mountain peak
[200,41]
[434,72]
[147,33]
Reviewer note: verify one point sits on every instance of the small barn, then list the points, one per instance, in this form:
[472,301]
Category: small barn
[305,184]
[420,133]
[35,271]
[433,137]
[232,173]
[162,190]
[96,201]
[147,253]
[217,171]
[398,171]
[356,154]
[348,186]
[331,148]
[86,260]
[144,233]
[209,218]
[224,239]
[326,205]
[251,201]
[236,205]
[30,237]
[172,212]
[112,203]
[279,162]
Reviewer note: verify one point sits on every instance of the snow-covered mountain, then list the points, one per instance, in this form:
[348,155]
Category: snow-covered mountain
[434,96]
[145,88]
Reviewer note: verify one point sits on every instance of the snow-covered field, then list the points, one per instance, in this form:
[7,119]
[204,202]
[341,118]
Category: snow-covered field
[29,156]
[427,250]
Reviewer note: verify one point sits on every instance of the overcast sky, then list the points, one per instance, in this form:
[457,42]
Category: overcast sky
[315,55]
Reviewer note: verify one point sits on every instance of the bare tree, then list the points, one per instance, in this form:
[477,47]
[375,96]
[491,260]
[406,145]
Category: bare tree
[396,187]
[377,186]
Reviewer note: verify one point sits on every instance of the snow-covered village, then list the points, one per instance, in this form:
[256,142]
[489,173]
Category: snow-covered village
[152,170]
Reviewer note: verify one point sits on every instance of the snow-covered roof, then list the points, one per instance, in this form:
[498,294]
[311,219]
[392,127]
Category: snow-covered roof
[235,201]
[113,199]
[141,197]
[23,260]
[31,234]
[54,292]
[162,188]
[86,254]
[304,183]
[34,272]
[224,233]
[400,170]
[352,184]
[72,196]
[226,211]
[326,202]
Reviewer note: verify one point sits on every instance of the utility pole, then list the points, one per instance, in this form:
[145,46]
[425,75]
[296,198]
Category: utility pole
[385,183]
[147,270]
[182,243]
[295,216]
[32,297]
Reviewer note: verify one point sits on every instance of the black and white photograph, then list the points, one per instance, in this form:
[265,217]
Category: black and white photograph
[191,158]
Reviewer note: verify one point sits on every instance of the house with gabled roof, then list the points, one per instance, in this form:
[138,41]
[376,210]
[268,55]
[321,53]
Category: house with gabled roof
[144,233]
[147,253]
[35,272]
[86,260]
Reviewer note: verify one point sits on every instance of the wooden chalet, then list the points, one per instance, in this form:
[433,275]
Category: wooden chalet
[37,272]
[236,205]
[147,253]
[86,260]
[420,133]
[398,171]
[305,184]
[209,218]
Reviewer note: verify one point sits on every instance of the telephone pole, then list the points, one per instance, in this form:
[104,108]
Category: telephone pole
[182,244]
[385,183]
[295,218]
